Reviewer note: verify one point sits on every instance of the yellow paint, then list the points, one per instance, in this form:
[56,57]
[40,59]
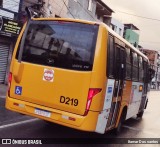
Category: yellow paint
[37,93]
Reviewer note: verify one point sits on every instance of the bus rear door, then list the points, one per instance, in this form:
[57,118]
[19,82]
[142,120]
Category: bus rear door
[120,57]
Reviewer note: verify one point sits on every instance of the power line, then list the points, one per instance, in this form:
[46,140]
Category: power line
[68,9]
[139,16]
[54,1]
[150,42]
[86,10]
[60,6]
[61,9]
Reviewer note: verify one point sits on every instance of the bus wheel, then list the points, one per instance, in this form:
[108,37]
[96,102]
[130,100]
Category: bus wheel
[122,119]
[140,114]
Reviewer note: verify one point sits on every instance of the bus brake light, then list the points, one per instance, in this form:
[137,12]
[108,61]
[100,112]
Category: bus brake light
[9,83]
[92,92]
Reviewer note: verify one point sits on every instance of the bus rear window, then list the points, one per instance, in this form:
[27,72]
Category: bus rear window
[66,45]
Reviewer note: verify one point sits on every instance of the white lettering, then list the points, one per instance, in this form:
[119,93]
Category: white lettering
[34,142]
[142,141]
[152,141]
[48,75]
[132,141]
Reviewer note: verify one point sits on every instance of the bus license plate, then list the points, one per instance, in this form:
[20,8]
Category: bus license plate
[42,112]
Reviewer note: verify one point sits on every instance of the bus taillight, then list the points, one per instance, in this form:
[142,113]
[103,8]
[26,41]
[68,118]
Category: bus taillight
[9,83]
[91,93]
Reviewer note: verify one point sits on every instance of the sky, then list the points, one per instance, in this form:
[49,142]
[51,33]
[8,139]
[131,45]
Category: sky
[149,28]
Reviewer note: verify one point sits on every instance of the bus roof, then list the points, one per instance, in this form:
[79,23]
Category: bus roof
[69,19]
[126,42]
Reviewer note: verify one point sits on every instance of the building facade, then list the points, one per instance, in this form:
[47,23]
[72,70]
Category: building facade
[54,8]
[117,26]
[154,58]
[131,34]
[92,10]
[9,30]
[82,9]
[103,12]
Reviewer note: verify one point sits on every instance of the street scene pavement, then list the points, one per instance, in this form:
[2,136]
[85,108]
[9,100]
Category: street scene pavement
[14,125]
[8,117]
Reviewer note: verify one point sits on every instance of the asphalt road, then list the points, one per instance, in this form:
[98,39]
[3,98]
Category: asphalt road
[14,125]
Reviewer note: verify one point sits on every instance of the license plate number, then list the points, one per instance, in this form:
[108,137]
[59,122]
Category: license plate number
[42,112]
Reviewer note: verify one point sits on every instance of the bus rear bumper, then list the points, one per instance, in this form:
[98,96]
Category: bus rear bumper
[85,123]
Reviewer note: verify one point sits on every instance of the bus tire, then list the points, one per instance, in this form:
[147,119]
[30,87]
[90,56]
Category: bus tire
[140,114]
[146,104]
[121,121]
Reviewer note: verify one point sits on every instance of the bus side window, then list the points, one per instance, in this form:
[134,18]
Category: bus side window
[146,73]
[128,64]
[111,52]
[135,67]
[141,69]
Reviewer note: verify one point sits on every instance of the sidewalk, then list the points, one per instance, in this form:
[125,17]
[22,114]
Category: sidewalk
[3,90]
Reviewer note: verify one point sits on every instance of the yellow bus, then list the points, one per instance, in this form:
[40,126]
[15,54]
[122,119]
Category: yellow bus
[78,74]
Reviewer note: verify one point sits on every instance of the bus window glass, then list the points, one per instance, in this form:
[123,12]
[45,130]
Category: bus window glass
[135,60]
[111,56]
[60,44]
[145,71]
[140,62]
[128,64]
[135,67]
[128,59]
[141,70]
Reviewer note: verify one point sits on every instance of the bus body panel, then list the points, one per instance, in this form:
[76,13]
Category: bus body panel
[57,116]
[135,99]
[103,117]
[54,86]
[68,91]
[99,78]
[63,98]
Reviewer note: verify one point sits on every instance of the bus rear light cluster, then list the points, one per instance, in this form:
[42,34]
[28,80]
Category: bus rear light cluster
[19,105]
[91,93]
[68,118]
[9,83]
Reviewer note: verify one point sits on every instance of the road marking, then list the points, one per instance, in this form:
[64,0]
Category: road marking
[19,123]
[131,128]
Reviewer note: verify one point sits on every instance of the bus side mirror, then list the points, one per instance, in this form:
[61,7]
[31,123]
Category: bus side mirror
[151,74]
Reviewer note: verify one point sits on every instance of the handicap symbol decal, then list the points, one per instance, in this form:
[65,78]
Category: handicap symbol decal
[18,90]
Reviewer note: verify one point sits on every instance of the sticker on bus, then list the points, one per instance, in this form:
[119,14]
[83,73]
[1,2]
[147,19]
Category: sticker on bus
[18,90]
[48,75]
[109,89]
